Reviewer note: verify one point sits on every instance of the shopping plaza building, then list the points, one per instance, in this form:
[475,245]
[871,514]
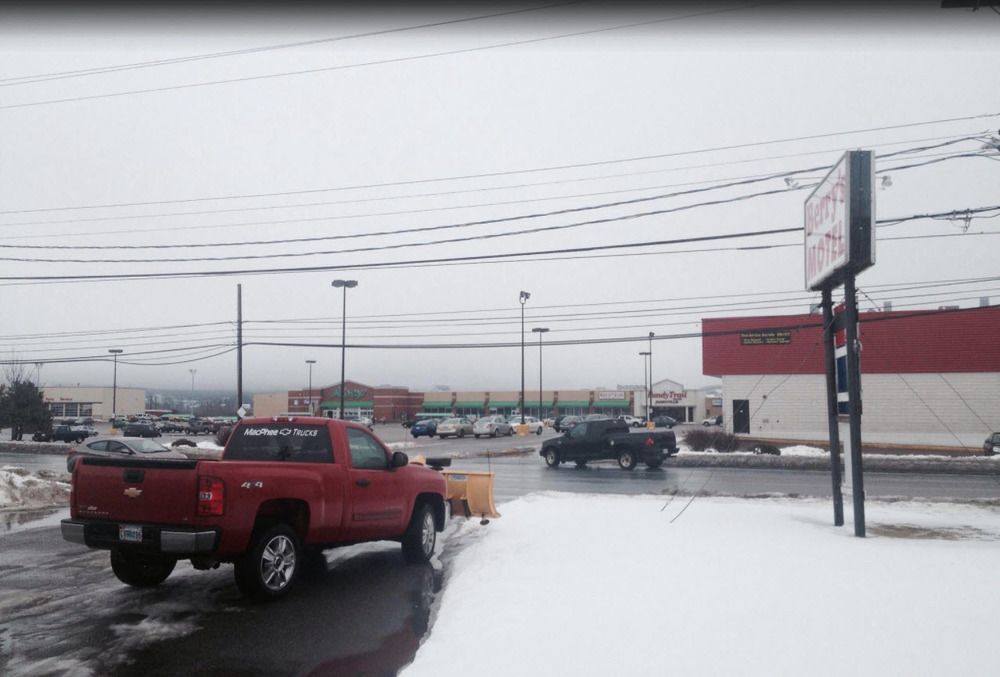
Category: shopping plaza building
[396,403]
[97,402]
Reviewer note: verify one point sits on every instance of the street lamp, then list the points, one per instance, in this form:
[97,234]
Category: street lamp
[540,331]
[651,335]
[114,386]
[192,372]
[645,384]
[523,298]
[345,284]
[310,363]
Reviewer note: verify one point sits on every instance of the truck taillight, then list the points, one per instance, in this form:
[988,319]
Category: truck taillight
[211,496]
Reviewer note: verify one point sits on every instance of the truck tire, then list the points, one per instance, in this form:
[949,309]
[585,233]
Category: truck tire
[421,535]
[582,463]
[141,570]
[626,459]
[271,565]
[552,457]
[655,462]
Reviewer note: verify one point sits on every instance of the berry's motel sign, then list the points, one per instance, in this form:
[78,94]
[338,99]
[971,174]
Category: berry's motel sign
[840,222]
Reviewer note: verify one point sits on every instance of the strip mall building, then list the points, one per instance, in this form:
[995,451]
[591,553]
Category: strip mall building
[394,403]
[928,376]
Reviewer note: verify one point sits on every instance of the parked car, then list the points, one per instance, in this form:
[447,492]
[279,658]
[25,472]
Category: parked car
[567,423]
[992,444]
[492,426]
[197,426]
[426,427]
[363,420]
[170,427]
[121,447]
[712,420]
[632,421]
[457,427]
[596,417]
[141,430]
[534,425]
[664,421]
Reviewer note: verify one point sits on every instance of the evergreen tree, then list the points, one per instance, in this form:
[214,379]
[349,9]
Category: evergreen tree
[22,406]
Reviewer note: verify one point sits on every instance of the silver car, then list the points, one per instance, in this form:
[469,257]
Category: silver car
[492,426]
[122,447]
[457,427]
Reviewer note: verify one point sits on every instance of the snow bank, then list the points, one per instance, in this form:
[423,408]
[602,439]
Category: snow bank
[20,488]
[598,585]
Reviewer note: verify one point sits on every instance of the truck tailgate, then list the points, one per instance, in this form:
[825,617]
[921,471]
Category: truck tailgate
[132,490]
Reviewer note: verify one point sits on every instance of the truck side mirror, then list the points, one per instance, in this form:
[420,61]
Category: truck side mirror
[399,459]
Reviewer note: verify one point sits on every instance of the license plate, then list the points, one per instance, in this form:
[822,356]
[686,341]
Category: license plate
[130,534]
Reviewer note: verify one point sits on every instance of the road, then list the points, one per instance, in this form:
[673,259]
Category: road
[63,612]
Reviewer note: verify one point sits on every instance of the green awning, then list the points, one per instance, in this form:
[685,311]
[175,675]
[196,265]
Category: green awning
[610,403]
[353,404]
[469,403]
[504,403]
[573,403]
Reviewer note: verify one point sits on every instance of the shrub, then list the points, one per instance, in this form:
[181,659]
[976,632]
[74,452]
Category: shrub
[222,436]
[702,439]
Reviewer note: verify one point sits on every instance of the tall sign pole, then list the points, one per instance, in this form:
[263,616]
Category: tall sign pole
[831,406]
[239,351]
[839,244]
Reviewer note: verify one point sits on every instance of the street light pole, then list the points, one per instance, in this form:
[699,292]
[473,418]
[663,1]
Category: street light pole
[114,385]
[651,374]
[345,284]
[193,372]
[646,386]
[523,299]
[310,363]
[540,331]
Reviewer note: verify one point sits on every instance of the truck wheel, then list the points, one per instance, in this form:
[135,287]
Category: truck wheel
[420,536]
[141,570]
[551,458]
[581,463]
[79,440]
[654,462]
[270,567]
[626,459]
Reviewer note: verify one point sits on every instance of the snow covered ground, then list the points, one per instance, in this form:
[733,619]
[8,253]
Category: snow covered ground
[22,488]
[570,584]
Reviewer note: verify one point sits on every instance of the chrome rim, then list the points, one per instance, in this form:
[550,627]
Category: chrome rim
[551,457]
[427,534]
[626,458]
[277,562]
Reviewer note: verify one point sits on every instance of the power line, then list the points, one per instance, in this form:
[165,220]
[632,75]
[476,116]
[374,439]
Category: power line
[736,182]
[508,172]
[102,70]
[298,205]
[402,59]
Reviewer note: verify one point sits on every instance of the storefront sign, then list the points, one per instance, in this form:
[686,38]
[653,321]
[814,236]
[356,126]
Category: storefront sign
[765,337]
[840,221]
[668,397]
[611,395]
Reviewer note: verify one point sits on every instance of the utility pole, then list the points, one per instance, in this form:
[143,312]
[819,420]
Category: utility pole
[540,331]
[114,386]
[651,375]
[523,298]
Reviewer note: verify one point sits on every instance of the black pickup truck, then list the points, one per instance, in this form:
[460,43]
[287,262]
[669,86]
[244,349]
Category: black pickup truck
[61,433]
[600,440]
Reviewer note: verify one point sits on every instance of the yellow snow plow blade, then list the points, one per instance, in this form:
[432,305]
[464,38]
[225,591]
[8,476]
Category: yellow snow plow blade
[469,492]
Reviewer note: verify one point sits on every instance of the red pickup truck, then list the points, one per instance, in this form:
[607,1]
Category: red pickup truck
[285,488]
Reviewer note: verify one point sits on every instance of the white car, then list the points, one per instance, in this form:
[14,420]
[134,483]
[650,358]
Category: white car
[534,425]
[633,421]
[492,426]
[713,420]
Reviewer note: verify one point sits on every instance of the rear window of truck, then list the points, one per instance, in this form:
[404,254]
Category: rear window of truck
[280,442]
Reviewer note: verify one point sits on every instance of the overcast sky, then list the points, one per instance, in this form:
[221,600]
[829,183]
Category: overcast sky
[450,124]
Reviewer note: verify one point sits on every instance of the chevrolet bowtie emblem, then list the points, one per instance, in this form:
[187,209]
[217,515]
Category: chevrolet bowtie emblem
[132,492]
